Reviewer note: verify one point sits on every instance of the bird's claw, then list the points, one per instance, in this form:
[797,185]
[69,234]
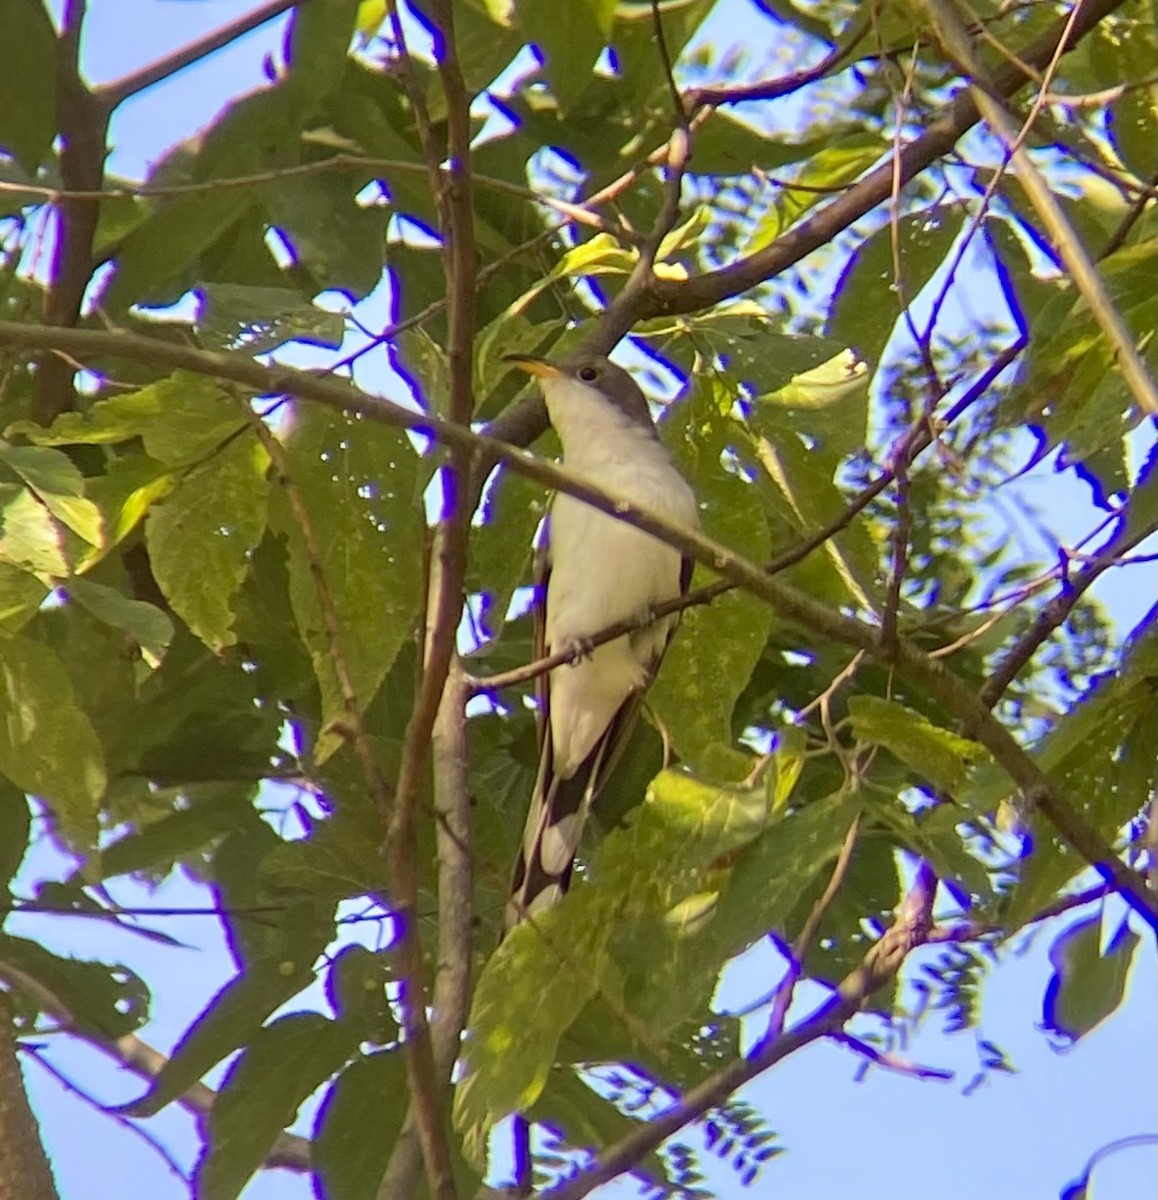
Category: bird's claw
[578,649]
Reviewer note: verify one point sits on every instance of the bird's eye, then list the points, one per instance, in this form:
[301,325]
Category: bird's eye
[587,374]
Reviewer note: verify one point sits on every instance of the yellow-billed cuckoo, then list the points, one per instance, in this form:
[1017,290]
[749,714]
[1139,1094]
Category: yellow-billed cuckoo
[595,571]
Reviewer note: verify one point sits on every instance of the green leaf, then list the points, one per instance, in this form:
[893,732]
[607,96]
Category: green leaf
[716,648]
[149,626]
[259,319]
[871,295]
[545,971]
[206,813]
[47,744]
[103,1000]
[15,825]
[21,595]
[838,162]
[670,964]
[341,244]
[571,37]
[160,248]
[318,45]
[29,537]
[361,484]
[358,1124]
[201,538]
[274,1075]
[943,758]
[1087,986]
[60,486]
[356,991]
[230,1019]
[27,83]
[180,418]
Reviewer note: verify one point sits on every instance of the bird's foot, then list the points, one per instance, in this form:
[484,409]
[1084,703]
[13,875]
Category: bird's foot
[578,648]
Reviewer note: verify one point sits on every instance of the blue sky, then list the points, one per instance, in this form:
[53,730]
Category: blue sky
[1021,1136]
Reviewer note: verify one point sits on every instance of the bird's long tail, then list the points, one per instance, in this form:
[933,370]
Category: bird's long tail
[555,820]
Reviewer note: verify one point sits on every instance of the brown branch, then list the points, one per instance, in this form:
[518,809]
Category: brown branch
[705,291]
[83,122]
[946,689]
[453,197]
[119,90]
[774,89]
[879,966]
[451,996]
[24,1169]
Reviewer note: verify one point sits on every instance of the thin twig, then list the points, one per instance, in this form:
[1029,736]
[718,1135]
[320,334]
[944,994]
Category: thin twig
[669,297]
[774,89]
[1059,608]
[119,90]
[133,1127]
[290,1151]
[887,1060]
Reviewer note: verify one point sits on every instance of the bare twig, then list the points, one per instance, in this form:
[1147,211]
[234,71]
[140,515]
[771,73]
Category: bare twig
[119,90]
[1118,237]
[290,1151]
[888,1060]
[773,89]
[132,1127]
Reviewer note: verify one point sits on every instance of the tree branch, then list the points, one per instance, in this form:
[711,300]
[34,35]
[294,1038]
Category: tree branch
[24,1169]
[83,123]
[453,197]
[119,90]
[953,695]
[290,1151]
[1059,608]
[668,297]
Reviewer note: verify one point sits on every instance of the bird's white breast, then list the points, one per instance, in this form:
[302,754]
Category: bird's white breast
[604,570]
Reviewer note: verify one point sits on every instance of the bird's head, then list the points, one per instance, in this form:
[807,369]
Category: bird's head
[571,379]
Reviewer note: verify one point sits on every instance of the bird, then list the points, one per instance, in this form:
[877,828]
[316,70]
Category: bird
[595,570]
